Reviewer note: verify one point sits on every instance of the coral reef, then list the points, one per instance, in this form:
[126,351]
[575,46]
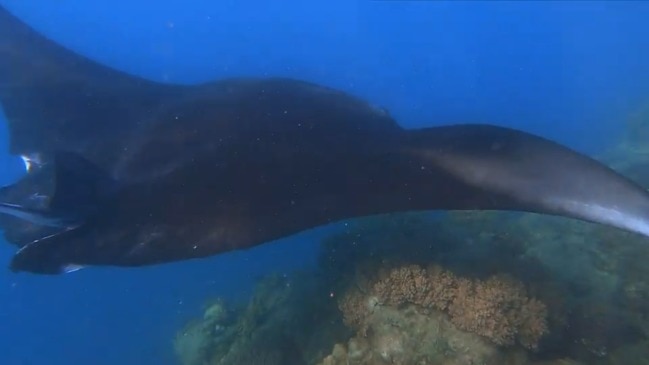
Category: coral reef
[496,308]
[412,315]
[200,338]
[409,336]
[274,327]
[413,289]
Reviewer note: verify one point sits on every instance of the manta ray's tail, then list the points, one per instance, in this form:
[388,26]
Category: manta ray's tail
[499,168]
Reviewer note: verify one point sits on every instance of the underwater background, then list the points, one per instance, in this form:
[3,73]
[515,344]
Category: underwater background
[576,72]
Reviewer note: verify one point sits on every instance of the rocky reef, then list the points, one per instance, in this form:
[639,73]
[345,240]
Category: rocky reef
[458,288]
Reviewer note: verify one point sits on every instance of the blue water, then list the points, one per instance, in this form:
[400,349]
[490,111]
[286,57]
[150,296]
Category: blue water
[571,71]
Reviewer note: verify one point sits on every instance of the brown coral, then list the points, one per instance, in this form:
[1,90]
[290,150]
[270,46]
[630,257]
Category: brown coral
[497,308]
[355,307]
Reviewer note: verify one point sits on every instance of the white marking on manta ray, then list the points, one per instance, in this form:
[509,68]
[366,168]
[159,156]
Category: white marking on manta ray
[65,268]
[33,217]
[27,162]
[40,199]
[610,215]
[26,246]
[30,161]
[146,238]
[68,268]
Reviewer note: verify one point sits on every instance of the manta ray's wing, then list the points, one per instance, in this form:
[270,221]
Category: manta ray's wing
[54,99]
[499,168]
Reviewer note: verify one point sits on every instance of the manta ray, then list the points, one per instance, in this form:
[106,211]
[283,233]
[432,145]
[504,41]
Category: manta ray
[124,171]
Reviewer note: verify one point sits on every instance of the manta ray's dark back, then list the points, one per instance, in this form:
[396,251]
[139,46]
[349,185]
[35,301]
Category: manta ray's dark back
[130,172]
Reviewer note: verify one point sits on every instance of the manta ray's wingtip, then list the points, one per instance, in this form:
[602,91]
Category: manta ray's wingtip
[508,169]
[55,98]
